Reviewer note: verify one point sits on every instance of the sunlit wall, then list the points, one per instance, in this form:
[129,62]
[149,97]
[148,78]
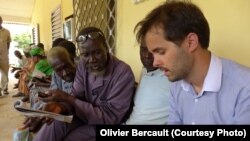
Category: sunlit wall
[229,23]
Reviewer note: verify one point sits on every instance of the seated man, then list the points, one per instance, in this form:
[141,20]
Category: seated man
[25,73]
[22,62]
[70,46]
[207,89]
[101,93]
[152,94]
[62,78]
[42,70]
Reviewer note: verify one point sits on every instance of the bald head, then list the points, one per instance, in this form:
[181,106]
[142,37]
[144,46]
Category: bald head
[59,59]
[56,54]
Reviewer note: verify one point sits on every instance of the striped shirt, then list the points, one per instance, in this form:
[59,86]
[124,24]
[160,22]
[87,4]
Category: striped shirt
[224,99]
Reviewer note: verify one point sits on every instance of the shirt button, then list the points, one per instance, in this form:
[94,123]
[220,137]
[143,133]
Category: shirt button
[193,123]
[196,100]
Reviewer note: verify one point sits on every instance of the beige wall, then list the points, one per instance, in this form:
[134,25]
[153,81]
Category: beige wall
[229,24]
[42,16]
[128,14]
[67,8]
[230,28]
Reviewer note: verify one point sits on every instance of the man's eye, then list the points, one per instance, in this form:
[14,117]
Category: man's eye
[84,55]
[98,52]
[161,52]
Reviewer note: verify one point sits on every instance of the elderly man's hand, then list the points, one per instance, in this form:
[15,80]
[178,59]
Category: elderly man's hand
[58,96]
[33,123]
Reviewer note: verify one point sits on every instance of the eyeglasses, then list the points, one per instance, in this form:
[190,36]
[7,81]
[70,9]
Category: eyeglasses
[91,35]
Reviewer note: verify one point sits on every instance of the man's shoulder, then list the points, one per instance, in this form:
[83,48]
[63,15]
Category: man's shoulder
[119,64]
[5,30]
[235,71]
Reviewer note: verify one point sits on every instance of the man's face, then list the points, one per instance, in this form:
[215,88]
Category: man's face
[18,54]
[147,58]
[95,54]
[64,69]
[174,60]
[35,59]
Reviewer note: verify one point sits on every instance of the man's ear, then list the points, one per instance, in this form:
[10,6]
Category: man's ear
[192,41]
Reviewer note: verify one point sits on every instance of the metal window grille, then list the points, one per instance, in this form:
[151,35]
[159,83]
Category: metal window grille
[98,13]
[56,23]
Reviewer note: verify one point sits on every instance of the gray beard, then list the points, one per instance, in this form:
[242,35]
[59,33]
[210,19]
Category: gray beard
[98,73]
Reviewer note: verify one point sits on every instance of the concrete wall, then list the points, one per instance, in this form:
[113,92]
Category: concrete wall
[229,24]
[42,16]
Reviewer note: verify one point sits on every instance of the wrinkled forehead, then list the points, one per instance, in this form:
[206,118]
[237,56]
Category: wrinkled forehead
[91,45]
[59,60]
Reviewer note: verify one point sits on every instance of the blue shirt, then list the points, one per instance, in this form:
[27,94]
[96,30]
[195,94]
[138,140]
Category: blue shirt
[224,99]
[151,99]
[58,83]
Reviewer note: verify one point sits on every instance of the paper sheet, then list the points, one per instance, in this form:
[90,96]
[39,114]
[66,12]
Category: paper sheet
[20,106]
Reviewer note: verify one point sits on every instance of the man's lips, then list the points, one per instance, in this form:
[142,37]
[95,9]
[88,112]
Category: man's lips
[166,71]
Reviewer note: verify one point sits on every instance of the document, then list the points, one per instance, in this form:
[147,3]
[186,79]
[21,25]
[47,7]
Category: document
[25,110]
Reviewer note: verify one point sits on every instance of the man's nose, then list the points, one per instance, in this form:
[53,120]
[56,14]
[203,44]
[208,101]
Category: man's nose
[156,62]
[64,73]
[92,58]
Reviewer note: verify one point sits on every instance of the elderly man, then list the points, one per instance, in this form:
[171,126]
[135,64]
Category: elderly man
[101,93]
[5,40]
[62,78]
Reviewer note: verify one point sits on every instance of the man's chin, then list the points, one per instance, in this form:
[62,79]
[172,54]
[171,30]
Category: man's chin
[173,79]
[97,72]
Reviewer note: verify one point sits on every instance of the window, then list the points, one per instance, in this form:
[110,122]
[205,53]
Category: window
[98,13]
[35,34]
[68,30]
[56,23]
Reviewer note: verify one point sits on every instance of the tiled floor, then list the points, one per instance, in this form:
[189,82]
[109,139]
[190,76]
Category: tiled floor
[9,118]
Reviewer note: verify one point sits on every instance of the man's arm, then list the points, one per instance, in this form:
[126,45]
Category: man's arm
[242,109]
[174,116]
[8,45]
[113,106]
[9,40]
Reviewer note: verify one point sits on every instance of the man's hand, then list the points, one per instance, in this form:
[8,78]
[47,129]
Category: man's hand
[33,123]
[13,69]
[55,107]
[58,96]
